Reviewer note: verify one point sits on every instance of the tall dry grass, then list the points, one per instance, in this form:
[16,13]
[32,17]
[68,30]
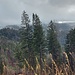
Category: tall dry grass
[62,69]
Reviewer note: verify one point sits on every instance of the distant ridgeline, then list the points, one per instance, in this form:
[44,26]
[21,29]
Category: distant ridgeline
[15,27]
[11,32]
[62,30]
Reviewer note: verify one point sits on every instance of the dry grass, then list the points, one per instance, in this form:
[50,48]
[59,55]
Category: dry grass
[63,69]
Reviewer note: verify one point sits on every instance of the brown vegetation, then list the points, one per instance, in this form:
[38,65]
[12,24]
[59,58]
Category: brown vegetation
[54,69]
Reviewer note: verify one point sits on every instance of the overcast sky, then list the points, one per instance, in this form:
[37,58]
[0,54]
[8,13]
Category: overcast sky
[11,10]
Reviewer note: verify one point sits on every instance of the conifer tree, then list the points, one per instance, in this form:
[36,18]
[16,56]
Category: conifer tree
[38,37]
[70,41]
[27,37]
[1,65]
[52,41]
[70,47]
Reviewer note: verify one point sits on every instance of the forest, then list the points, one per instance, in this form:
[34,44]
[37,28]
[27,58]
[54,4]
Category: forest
[31,50]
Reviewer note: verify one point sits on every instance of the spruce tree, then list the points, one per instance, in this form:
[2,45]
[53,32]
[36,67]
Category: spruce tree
[70,41]
[27,37]
[1,65]
[52,41]
[38,37]
[70,47]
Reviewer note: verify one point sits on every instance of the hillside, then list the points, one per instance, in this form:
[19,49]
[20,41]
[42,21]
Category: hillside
[10,34]
[62,29]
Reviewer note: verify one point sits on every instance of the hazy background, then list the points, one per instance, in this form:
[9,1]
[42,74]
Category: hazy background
[11,10]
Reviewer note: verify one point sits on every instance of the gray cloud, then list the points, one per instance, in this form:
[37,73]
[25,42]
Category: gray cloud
[62,3]
[53,9]
[11,10]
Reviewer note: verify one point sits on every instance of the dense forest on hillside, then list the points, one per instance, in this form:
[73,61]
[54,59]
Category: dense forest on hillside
[30,50]
[10,34]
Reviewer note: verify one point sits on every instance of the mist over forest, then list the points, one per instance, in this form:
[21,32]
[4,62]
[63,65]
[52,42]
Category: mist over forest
[37,37]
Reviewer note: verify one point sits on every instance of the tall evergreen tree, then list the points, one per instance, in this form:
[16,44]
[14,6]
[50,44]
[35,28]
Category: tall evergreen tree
[38,37]
[70,47]
[52,41]
[27,37]
[1,65]
[70,41]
